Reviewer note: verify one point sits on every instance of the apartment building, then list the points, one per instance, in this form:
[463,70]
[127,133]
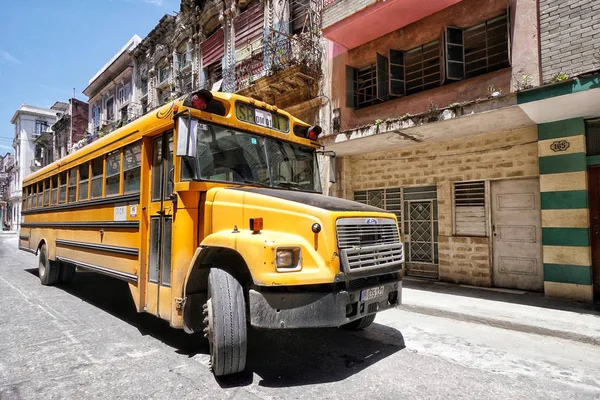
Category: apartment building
[468,121]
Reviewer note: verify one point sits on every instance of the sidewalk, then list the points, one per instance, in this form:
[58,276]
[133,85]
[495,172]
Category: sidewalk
[515,310]
[8,232]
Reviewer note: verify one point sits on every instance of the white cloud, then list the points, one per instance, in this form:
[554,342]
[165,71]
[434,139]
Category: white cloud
[7,58]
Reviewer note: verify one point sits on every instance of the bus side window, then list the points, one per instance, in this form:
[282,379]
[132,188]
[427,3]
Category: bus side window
[54,190]
[46,192]
[72,185]
[24,199]
[131,168]
[84,173]
[40,194]
[63,188]
[113,172]
[97,172]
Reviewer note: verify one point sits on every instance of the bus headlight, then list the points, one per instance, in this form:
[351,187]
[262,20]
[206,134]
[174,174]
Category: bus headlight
[288,259]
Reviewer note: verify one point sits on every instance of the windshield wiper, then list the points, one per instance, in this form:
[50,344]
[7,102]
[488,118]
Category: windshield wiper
[257,183]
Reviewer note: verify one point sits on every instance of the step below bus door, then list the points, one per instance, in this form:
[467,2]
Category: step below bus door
[158,293]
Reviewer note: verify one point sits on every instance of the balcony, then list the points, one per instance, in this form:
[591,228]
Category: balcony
[351,26]
[283,72]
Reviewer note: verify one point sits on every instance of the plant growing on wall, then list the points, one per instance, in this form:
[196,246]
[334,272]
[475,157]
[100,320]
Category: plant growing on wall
[560,77]
[523,80]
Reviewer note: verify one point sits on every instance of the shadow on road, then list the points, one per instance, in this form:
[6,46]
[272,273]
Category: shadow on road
[280,358]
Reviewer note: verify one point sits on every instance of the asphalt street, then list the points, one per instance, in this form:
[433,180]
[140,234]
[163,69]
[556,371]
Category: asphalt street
[85,340]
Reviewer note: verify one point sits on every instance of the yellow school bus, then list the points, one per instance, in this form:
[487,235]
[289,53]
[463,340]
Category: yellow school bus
[210,208]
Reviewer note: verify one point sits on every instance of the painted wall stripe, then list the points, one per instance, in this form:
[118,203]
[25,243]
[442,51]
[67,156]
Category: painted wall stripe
[571,199]
[560,129]
[576,144]
[593,160]
[566,237]
[568,274]
[558,89]
[569,291]
[565,181]
[571,255]
[579,218]
[563,163]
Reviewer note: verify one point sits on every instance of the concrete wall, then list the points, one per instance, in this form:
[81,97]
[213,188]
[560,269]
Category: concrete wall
[494,156]
[570,36]
[343,9]
[464,14]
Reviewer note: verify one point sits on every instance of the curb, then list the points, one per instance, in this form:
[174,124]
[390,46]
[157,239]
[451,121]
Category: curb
[497,323]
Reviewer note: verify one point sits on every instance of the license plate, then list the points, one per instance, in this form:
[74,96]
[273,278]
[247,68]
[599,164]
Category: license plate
[263,118]
[372,293]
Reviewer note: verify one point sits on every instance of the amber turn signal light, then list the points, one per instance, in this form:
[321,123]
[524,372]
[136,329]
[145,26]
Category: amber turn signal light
[256,225]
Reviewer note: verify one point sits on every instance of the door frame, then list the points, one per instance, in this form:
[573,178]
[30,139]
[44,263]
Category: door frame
[158,209]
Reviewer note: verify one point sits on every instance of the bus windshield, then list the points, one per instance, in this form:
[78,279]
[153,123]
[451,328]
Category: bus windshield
[230,155]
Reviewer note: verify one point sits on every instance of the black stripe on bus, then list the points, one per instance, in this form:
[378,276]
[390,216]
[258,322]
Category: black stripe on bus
[23,237]
[102,270]
[28,250]
[86,203]
[103,224]
[102,247]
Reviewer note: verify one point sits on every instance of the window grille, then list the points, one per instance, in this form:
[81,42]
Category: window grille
[469,208]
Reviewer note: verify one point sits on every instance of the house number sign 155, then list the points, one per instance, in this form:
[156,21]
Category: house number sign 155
[560,145]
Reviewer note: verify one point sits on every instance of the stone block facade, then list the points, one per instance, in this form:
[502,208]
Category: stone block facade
[569,37]
[504,155]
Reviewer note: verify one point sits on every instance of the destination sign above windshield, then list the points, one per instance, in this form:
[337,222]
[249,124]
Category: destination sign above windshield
[254,115]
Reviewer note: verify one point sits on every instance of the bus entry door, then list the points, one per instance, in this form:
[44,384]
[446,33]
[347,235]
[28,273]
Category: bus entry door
[158,293]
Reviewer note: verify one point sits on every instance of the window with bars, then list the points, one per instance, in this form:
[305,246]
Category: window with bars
[486,46]
[422,68]
[460,53]
[368,86]
[469,209]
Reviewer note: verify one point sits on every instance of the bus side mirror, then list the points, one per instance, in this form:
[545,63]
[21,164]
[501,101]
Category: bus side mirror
[332,169]
[186,136]
[332,164]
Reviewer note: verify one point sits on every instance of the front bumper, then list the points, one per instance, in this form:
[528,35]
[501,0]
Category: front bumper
[288,310]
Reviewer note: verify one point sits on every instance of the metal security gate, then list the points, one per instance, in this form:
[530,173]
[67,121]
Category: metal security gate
[416,209]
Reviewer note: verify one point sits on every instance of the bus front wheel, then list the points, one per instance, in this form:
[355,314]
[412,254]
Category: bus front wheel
[225,323]
[48,270]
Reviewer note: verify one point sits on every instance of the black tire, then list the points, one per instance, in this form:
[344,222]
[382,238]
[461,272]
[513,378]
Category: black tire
[225,323]
[48,270]
[360,323]
[67,273]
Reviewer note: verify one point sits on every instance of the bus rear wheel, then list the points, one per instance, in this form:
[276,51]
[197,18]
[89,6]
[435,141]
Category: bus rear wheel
[48,270]
[225,323]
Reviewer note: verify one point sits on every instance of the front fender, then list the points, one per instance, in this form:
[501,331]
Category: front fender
[258,252]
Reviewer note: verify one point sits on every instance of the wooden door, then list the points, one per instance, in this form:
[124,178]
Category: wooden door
[594,199]
[517,234]
[158,293]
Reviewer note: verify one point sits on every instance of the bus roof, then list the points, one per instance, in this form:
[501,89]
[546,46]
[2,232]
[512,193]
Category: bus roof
[157,120]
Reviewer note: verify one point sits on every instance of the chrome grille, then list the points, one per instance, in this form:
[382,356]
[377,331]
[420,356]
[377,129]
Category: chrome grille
[356,232]
[373,257]
[369,243]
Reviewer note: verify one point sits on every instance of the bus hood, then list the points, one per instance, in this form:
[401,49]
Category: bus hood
[315,200]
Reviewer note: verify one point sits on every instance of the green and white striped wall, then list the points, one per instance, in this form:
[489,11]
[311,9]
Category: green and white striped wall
[565,215]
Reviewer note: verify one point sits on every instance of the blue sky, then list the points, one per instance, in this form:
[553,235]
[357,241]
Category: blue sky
[47,48]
